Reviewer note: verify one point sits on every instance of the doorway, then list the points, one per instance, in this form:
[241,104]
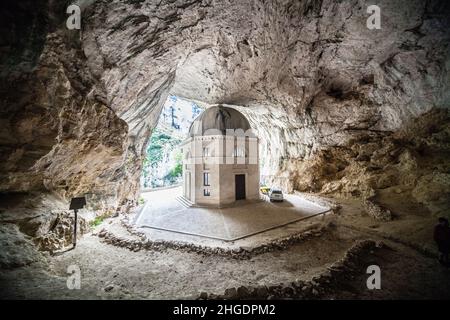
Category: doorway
[240,186]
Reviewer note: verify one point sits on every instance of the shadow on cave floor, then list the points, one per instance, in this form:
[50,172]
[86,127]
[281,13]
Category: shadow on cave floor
[110,272]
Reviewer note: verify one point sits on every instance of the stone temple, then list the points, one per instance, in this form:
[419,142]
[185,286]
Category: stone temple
[220,159]
[346,114]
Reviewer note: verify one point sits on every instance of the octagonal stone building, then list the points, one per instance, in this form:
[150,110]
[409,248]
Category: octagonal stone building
[220,159]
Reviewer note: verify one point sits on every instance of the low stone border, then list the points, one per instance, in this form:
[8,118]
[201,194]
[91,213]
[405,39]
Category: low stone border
[239,253]
[376,211]
[428,252]
[343,269]
[129,225]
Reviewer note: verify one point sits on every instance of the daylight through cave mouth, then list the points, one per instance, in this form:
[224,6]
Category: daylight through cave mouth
[348,115]
[162,164]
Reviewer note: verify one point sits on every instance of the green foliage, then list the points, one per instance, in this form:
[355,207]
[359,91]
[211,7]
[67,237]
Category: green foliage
[160,146]
[176,171]
[97,221]
[155,150]
[100,218]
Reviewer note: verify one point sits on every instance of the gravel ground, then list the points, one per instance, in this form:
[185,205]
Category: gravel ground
[110,272]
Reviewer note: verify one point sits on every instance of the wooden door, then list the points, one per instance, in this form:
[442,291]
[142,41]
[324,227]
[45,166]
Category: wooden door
[240,186]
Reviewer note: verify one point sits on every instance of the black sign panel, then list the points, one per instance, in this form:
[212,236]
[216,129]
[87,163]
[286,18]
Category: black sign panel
[77,203]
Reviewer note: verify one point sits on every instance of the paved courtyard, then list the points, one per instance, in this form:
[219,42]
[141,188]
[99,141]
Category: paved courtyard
[163,212]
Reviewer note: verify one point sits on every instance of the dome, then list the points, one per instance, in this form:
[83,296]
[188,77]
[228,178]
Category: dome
[218,117]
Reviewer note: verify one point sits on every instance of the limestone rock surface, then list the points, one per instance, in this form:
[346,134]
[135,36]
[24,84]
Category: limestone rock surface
[325,94]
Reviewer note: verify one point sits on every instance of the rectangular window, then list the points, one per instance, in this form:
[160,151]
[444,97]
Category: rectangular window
[206,152]
[238,152]
[206,192]
[206,178]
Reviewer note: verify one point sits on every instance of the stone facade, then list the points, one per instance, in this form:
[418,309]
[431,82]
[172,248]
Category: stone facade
[220,160]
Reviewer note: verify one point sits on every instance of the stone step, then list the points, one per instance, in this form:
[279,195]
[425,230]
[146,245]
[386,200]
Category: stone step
[184,202]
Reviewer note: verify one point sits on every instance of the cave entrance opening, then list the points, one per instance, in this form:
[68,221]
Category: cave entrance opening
[162,165]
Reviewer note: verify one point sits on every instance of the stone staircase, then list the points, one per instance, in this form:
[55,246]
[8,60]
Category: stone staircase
[185,202]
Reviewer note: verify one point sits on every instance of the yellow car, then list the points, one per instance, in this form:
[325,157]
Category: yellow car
[264,190]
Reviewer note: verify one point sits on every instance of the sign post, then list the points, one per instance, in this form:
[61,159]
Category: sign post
[76,204]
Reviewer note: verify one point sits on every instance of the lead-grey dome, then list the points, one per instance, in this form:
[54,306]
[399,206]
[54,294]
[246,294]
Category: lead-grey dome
[220,118]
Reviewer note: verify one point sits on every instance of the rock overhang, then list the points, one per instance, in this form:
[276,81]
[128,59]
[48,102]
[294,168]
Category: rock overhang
[308,76]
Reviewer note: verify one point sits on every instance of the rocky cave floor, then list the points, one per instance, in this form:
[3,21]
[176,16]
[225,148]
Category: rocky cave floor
[340,109]
[329,263]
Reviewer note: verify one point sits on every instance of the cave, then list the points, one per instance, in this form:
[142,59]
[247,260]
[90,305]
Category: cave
[350,117]
[162,165]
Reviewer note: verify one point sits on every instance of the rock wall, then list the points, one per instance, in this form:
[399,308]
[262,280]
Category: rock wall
[78,107]
[35,221]
[412,161]
[57,133]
